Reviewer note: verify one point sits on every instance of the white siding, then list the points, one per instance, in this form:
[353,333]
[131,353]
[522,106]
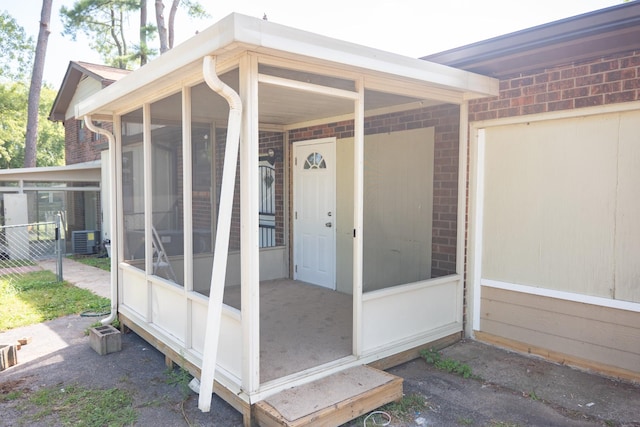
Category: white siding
[560,198]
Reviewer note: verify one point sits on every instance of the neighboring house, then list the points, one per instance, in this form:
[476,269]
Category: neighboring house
[554,236]
[82,146]
[30,195]
[394,185]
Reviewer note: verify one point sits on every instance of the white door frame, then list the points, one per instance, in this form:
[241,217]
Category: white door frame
[296,201]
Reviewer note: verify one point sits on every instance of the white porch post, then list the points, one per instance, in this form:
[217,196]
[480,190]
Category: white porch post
[249,209]
[358,215]
[148,201]
[463,147]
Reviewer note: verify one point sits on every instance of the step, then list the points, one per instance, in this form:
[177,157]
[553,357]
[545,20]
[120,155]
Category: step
[330,401]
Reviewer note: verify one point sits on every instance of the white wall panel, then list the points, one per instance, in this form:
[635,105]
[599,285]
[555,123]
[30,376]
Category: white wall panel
[550,204]
[627,251]
[561,205]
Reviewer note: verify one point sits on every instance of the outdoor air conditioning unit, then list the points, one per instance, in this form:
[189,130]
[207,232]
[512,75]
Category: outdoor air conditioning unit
[85,242]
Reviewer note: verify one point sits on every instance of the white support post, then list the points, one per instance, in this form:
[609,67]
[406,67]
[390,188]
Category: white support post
[249,229]
[148,201]
[463,153]
[358,216]
[187,212]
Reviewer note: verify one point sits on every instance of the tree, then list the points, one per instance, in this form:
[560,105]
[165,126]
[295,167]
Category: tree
[16,50]
[194,10]
[31,139]
[103,21]
[13,123]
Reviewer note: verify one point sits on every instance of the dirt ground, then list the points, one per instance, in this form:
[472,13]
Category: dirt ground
[514,390]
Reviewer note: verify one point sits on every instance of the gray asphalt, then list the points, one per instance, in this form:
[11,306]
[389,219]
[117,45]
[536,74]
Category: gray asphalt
[511,389]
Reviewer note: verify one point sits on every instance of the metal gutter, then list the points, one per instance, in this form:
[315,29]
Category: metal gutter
[221,250]
[237,33]
[112,218]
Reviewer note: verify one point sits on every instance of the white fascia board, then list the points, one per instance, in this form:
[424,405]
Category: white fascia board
[212,41]
[89,171]
[268,35]
[239,32]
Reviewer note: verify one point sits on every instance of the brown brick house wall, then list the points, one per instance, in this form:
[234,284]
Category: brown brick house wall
[607,80]
[82,145]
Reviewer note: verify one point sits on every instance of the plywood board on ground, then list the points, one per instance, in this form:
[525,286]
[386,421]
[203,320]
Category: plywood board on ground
[330,401]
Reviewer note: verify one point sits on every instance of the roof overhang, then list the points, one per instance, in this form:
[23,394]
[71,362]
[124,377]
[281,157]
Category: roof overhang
[237,34]
[72,77]
[79,172]
[603,32]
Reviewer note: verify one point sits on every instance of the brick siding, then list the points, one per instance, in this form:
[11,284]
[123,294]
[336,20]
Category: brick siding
[606,80]
[80,144]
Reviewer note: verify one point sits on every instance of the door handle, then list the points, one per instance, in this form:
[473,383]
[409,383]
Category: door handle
[328,224]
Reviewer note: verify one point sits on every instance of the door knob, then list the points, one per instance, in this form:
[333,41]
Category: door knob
[328,224]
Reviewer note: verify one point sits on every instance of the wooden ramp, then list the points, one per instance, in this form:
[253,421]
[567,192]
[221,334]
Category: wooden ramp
[330,401]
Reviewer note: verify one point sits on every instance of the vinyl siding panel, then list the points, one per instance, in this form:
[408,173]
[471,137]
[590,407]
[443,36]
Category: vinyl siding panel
[603,335]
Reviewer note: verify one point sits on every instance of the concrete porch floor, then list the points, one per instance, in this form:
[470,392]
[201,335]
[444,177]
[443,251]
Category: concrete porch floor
[301,326]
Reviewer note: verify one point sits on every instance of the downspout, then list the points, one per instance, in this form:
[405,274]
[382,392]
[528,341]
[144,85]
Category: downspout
[220,254]
[112,217]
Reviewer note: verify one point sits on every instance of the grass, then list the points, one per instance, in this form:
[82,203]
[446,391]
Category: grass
[75,405]
[36,297]
[94,261]
[434,358]
[403,411]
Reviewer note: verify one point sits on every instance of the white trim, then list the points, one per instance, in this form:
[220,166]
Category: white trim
[410,287]
[306,87]
[461,215]
[249,228]
[558,115]
[478,219]
[358,221]
[236,33]
[567,296]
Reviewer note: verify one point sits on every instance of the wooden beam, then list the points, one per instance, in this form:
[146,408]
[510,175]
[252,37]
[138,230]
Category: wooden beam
[170,355]
[554,356]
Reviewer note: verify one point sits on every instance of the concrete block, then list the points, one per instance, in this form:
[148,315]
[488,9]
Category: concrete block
[105,339]
[8,356]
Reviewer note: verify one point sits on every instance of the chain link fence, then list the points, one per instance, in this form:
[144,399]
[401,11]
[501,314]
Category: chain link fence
[22,247]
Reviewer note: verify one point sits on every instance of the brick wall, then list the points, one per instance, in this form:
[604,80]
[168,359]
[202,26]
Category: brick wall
[445,119]
[80,144]
[602,81]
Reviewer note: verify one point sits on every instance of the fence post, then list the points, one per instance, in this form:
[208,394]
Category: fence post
[58,247]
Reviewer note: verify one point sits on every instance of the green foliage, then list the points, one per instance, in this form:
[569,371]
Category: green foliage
[104,22]
[36,297]
[403,411]
[16,50]
[93,261]
[181,378]
[75,405]
[13,125]
[434,358]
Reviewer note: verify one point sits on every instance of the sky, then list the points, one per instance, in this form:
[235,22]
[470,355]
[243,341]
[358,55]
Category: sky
[413,28]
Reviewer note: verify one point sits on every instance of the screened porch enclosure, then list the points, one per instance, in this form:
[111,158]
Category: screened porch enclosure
[410,180]
[337,227]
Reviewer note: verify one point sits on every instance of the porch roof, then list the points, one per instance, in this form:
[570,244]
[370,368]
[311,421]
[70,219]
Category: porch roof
[237,33]
[79,172]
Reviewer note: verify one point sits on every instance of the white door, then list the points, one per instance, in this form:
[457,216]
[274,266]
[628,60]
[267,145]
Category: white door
[314,216]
